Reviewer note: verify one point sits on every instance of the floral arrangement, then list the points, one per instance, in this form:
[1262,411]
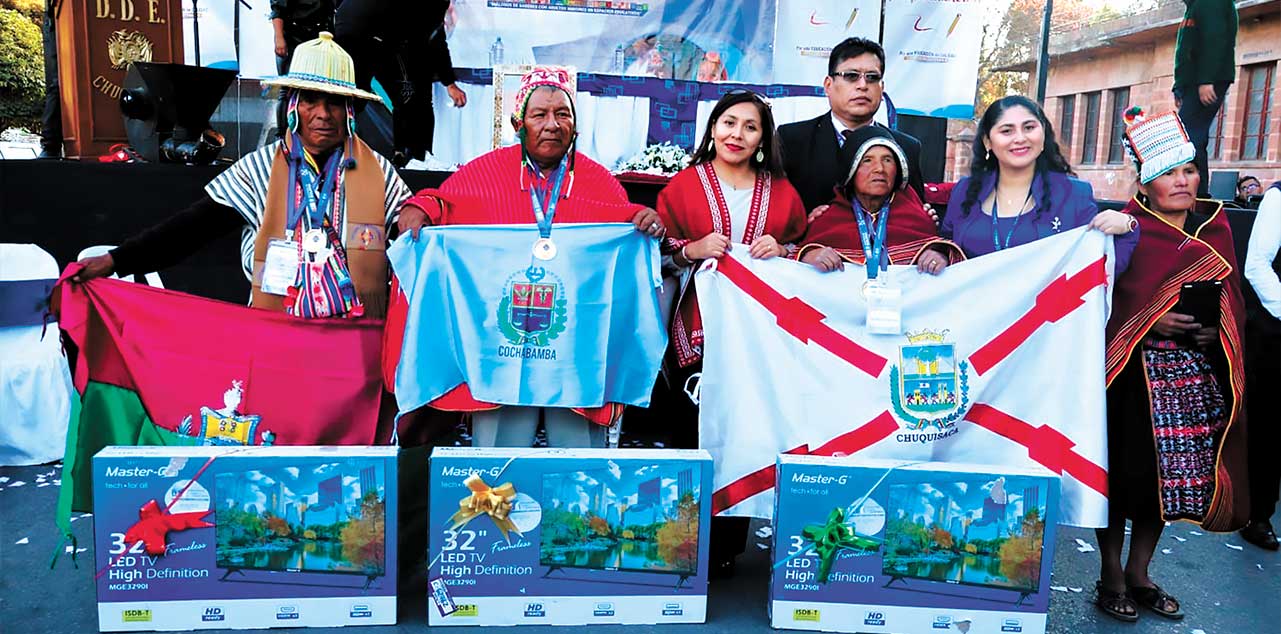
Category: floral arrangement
[661,159]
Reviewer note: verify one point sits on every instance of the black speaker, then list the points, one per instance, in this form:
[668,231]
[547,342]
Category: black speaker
[1223,184]
[932,133]
[167,108]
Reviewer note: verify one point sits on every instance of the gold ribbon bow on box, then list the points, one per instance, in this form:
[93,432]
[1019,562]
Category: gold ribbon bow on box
[495,502]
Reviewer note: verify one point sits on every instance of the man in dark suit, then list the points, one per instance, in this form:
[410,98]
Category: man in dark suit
[854,83]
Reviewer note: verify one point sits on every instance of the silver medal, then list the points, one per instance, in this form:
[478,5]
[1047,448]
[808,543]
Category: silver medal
[313,241]
[544,249]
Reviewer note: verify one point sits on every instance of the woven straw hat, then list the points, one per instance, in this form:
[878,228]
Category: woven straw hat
[322,65]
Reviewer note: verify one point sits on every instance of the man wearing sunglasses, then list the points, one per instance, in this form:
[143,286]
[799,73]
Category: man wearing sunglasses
[854,84]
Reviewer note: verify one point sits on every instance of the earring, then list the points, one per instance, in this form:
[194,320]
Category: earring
[711,145]
[988,155]
[760,155]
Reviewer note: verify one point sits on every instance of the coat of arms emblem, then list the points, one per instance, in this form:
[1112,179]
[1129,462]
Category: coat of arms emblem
[929,388]
[534,310]
[225,425]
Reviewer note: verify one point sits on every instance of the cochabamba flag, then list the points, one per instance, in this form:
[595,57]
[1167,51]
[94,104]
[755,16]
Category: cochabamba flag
[1000,362]
[578,330]
[159,367]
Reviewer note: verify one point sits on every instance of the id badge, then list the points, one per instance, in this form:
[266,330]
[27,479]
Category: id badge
[280,268]
[884,309]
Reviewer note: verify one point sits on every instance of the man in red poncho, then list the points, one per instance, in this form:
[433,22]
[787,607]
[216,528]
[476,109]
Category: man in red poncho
[540,180]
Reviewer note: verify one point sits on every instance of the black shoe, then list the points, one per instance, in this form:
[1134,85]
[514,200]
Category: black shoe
[1260,534]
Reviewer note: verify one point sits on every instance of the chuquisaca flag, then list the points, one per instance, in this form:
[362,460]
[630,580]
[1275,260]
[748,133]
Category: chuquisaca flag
[158,367]
[579,330]
[1000,363]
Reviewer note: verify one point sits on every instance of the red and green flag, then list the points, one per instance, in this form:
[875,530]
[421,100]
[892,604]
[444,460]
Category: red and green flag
[158,367]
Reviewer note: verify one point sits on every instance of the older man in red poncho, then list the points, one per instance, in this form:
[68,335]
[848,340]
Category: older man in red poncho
[542,179]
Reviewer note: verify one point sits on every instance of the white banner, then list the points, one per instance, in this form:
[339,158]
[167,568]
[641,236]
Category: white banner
[932,55]
[1001,363]
[808,29]
[219,20]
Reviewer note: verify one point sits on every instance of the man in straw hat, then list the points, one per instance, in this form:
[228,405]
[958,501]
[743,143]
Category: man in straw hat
[541,179]
[314,206]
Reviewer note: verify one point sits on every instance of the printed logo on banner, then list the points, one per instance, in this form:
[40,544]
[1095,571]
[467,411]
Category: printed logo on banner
[810,615]
[534,610]
[603,609]
[532,312]
[673,609]
[942,622]
[874,618]
[1011,625]
[360,611]
[287,613]
[135,616]
[929,389]
[213,614]
[226,425]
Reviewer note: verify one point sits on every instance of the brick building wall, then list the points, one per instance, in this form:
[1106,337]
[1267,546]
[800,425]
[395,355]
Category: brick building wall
[1136,54]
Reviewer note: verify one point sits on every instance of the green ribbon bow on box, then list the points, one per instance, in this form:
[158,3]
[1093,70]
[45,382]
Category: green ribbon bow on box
[833,536]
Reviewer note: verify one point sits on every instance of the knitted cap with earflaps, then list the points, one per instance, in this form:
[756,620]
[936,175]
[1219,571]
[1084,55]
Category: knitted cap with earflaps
[1157,144]
[321,65]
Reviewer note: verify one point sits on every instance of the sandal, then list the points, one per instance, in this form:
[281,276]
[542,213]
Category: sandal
[1158,601]
[1114,603]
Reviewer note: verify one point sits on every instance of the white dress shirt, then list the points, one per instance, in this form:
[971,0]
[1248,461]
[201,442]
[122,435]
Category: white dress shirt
[1265,240]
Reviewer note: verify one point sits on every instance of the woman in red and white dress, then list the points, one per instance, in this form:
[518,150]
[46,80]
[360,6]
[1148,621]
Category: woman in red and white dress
[733,196]
[733,192]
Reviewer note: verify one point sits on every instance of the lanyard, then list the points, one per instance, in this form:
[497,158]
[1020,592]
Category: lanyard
[545,219]
[996,234]
[873,251]
[314,203]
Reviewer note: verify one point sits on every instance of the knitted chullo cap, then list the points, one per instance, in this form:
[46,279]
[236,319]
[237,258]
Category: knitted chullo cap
[321,65]
[554,76]
[1157,144]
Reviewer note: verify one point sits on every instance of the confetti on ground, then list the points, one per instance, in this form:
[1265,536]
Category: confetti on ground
[42,484]
[86,515]
[1083,547]
[763,546]
[1195,533]
[659,445]
[17,483]
[1234,547]
[1198,631]
[1076,590]
[1059,588]
[1179,539]
[80,550]
[764,532]
[1167,524]
[4,479]
[1259,566]
[1166,551]
[57,483]
[24,540]
[71,549]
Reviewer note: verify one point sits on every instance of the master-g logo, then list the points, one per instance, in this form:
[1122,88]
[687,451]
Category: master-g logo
[1011,625]
[132,472]
[673,609]
[213,614]
[874,618]
[603,609]
[942,622]
[534,610]
[287,613]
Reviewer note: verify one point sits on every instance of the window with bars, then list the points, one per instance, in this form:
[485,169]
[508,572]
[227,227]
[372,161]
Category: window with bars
[1067,119]
[1090,134]
[1214,148]
[1116,147]
[1258,107]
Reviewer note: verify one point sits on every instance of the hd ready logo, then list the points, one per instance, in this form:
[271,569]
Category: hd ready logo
[942,622]
[287,613]
[603,609]
[360,611]
[874,618]
[1011,625]
[673,609]
[213,614]
[535,611]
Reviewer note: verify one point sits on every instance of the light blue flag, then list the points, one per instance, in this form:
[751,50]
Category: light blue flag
[579,330]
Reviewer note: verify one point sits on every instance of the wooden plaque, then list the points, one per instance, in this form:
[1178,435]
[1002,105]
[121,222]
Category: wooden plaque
[97,40]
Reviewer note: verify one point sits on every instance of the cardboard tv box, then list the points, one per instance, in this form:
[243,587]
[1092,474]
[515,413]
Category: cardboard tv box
[244,537]
[892,546]
[568,536]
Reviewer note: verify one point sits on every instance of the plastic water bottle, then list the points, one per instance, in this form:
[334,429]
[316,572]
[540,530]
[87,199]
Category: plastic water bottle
[496,52]
[619,60]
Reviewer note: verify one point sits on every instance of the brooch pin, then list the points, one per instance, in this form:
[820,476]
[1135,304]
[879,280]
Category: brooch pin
[1056,224]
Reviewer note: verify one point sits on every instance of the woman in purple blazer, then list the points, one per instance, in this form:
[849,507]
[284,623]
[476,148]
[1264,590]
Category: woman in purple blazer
[1021,189]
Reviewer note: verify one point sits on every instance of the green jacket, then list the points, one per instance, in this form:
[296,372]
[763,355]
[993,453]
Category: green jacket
[1205,50]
